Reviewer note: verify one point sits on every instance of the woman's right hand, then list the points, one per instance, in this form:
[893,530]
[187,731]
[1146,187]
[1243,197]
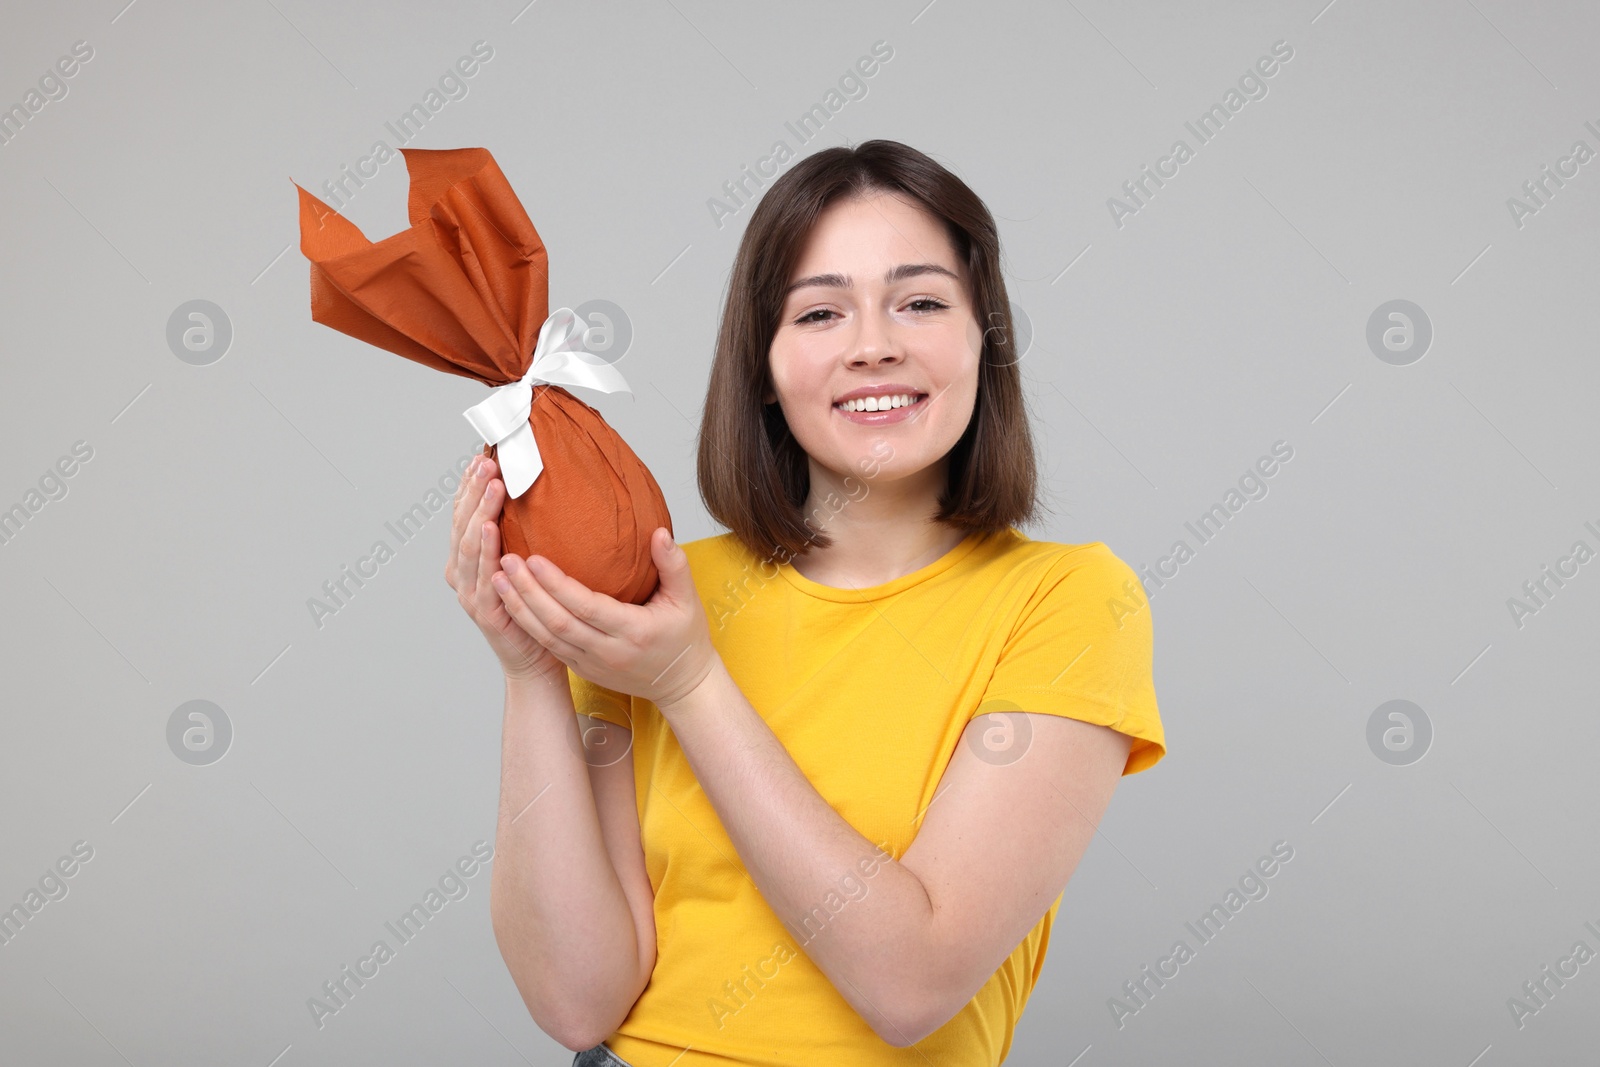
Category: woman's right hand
[474,559]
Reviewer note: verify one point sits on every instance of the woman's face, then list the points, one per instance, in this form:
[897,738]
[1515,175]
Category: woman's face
[880,303]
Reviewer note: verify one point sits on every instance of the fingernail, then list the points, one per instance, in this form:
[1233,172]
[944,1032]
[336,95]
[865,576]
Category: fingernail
[510,563]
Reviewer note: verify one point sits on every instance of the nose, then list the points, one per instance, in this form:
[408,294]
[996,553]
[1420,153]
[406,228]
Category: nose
[875,342]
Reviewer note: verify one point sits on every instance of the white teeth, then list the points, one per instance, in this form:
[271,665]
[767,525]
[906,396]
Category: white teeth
[878,403]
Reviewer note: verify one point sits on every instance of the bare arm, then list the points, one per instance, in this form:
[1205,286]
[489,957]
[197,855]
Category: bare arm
[992,853]
[994,850]
[569,897]
[571,903]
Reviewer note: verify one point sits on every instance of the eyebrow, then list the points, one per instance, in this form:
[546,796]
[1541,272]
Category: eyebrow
[842,281]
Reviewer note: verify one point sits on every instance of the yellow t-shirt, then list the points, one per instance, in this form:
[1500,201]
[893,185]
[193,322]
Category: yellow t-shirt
[869,691]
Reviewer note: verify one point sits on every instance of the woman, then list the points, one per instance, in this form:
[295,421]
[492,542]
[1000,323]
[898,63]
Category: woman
[833,777]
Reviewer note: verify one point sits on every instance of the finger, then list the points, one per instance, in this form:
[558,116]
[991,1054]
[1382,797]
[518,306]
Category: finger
[477,562]
[457,526]
[471,547]
[672,566]
[466,503]
[488,561]
[516,605]
[488,565]
[556,620]
[466,498]
[464,483]
[601,612]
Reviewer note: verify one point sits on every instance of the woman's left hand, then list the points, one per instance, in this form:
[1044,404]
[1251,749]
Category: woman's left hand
[659,650]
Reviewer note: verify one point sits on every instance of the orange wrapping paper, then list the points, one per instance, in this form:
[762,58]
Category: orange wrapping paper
[465,290]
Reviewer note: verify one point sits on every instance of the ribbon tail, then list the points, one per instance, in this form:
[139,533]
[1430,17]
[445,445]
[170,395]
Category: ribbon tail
[520,462]
[585,371]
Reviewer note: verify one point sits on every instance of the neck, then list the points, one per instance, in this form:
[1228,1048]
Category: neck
[881,530]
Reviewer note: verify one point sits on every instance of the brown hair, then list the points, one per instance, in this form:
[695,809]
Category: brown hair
[753,474]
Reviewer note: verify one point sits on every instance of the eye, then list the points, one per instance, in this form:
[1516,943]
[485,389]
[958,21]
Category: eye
[929,305]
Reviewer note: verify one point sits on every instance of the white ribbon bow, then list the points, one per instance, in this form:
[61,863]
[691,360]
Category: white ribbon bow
[558,359]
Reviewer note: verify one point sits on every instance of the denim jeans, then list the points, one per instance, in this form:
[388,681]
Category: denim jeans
[599,1056]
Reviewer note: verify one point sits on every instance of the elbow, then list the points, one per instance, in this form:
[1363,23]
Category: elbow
[574,1026]
[571,1032]
[920,991]
[907,1028]
[907,1017]
[577,1039]
[893,1034]
[557,1006]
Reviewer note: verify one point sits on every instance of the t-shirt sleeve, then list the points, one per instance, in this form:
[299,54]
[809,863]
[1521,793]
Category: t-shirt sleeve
[1083,648]
[605,704]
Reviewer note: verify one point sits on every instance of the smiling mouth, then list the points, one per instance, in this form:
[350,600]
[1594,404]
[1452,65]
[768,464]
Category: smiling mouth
[861,404]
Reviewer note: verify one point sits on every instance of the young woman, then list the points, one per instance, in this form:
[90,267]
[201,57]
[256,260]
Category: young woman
[831,780]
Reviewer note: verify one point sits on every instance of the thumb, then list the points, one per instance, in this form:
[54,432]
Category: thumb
[672,563]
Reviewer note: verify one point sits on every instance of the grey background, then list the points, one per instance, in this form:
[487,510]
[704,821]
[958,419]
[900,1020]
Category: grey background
[1229,313]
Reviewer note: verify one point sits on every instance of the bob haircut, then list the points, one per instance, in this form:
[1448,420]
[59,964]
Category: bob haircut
[753,475]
